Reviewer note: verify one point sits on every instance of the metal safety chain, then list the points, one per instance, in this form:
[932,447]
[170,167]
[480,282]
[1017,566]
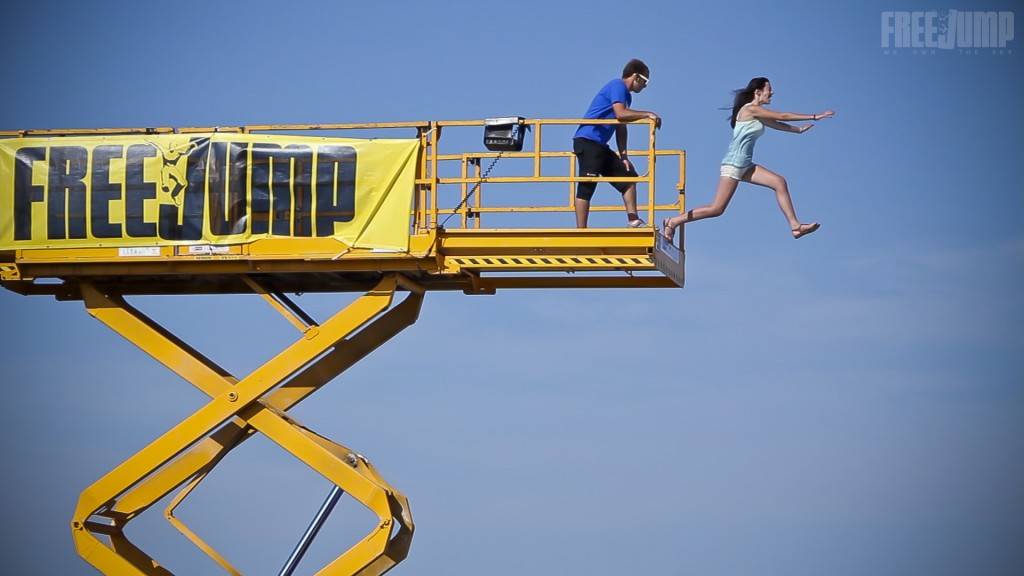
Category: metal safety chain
[473,191]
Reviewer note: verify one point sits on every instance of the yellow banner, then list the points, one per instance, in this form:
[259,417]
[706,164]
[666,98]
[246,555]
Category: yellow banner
[214,188]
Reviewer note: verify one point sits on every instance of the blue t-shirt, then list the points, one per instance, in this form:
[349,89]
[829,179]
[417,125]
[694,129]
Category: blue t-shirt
[601,107]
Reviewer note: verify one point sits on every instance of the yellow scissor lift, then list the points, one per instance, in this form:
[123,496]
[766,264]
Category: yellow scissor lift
[464,256]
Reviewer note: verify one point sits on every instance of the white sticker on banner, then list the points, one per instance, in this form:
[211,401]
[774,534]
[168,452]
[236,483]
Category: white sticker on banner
[136,251]
[208,249]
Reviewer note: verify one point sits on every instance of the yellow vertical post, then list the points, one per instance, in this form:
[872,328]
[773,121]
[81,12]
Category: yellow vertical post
[434,135]
[479,195]
[572,185]
[464,185]
[419,221]
[650,174]
[682,182]
[536,149]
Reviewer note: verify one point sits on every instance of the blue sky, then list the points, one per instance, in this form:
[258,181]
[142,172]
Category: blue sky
[851,403]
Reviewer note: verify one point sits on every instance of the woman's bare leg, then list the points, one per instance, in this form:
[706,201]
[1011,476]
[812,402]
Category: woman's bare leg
[723,195]
[765,177]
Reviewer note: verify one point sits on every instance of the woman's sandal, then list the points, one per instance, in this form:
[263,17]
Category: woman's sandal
[805,229]
[670,236]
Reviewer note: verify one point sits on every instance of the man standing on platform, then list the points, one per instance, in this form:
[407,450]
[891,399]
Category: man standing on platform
[590,144]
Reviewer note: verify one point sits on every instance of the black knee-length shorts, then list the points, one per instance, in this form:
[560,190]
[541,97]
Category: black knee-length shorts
[598,160]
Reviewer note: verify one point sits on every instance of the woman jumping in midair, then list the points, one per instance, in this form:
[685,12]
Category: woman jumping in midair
[749,117]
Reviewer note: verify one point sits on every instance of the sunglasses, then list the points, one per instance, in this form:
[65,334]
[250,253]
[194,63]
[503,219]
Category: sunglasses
[642,77]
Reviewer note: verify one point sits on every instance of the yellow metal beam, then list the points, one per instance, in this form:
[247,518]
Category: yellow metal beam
[189,534]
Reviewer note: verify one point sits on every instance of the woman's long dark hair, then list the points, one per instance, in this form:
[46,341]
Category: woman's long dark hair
[745,96]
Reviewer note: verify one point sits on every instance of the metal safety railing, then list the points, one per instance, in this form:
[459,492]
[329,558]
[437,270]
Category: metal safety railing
[428,209]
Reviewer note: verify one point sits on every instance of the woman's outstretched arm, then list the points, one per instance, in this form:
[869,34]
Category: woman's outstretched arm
[762,113]
[786,127]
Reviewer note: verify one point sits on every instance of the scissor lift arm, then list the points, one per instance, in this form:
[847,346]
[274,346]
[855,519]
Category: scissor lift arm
[184,455]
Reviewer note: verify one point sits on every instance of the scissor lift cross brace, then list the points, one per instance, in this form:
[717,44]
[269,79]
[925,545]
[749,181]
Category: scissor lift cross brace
[238,408]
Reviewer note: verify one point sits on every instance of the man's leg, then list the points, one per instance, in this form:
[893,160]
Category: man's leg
[582,211]
[629,199]
[588,161]
[615,167]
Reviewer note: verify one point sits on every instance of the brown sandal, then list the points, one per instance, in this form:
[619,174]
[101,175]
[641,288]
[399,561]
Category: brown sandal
[805,229]
[665,233]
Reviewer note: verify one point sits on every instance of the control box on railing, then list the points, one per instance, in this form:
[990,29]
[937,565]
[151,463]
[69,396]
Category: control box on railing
[504,134]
